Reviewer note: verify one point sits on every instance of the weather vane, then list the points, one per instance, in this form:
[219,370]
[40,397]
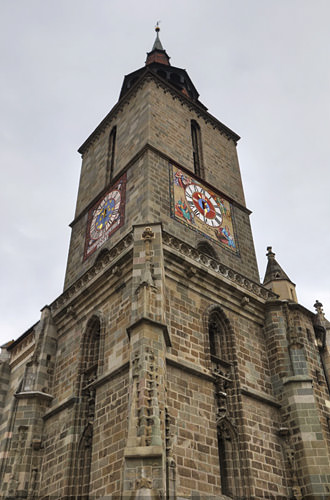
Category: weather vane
[157,28]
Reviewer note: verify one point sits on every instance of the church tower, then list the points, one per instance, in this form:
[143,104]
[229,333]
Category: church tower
[165,369]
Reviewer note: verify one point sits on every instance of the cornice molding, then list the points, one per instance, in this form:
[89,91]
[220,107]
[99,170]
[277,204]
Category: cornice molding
[188,367]
[105,263]
[247,285]
[260,396]
[60,407]
[34,395]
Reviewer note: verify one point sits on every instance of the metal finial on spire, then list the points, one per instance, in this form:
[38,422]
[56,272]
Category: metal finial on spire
[157,44]
[270,254]
[319,308]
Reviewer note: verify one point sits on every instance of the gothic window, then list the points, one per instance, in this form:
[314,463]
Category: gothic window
[89,372]
[218,337]
[91,351]
[111,154]
[228,460]
[197,148]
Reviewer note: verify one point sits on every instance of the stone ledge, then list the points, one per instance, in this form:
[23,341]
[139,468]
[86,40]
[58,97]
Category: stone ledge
[106,264]
[297,379]
[150,322]
[174,246]
[61,406]
[260,396]
[189,367]
[143,451]
[33,394]
[108,376]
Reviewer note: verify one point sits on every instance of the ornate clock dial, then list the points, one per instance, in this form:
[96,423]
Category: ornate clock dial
[105,214]
[105,217]
[203,205]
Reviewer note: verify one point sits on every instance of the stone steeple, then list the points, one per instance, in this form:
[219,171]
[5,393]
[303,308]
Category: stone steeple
[277,280]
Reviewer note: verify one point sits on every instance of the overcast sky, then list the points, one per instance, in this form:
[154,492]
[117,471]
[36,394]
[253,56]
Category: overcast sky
[261,67]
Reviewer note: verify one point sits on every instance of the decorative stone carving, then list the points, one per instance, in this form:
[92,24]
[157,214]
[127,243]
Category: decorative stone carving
[144,422]
[102,264]
[221,373]
[147,278]
[143,482]
[209,262]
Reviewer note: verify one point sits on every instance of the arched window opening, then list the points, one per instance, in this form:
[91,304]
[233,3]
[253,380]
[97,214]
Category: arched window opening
[84,458]
[218,338]
[91,351]
[89,372]
[111,154]
[205,247]
[197,148]
[228,460]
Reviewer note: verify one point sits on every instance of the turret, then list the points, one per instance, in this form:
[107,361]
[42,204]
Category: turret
[277,280]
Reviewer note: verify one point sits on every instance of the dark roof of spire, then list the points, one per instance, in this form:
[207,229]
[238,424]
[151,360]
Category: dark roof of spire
[274,270]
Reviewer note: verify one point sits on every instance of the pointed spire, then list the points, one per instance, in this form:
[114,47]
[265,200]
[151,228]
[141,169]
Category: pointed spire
[157,54]
[157,43]
[274,270]
[277,280]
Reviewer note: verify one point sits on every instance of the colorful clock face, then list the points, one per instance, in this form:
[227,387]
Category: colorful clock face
[105,217]
[201,209]
[203,205]
[106,214]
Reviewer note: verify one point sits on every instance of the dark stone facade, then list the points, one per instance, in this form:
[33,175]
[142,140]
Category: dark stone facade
[165,369]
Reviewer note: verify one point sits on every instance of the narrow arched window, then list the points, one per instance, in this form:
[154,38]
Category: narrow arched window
[89,372]
[197,148]
[228,460]
[91,351]
[111,154]
[218,337]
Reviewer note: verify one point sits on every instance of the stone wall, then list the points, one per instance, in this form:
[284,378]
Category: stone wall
[147,181]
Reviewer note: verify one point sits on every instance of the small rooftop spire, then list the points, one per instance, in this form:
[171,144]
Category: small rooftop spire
[277,280]
[274,270]
[157,43]
[157,54]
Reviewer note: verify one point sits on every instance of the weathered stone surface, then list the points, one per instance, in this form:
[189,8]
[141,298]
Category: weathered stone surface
[165,369]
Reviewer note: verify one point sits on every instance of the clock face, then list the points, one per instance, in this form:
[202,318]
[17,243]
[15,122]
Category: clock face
[201,209]
[105,217]
[203,205]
